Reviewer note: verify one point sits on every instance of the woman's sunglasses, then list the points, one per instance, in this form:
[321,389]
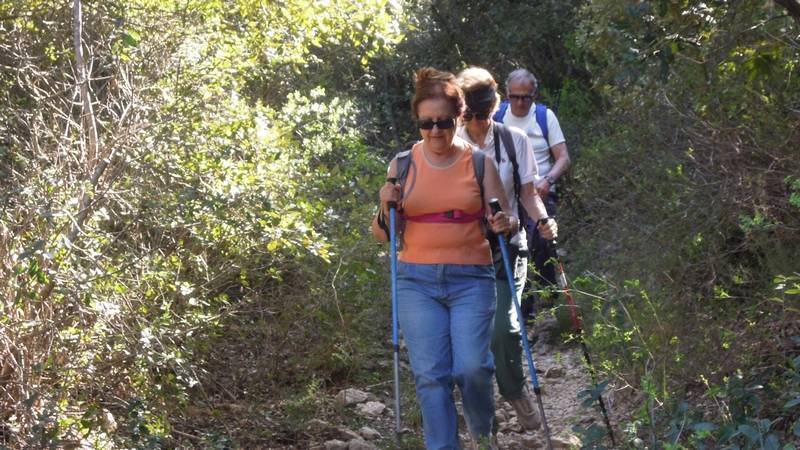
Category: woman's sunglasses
[468,115]
[443,124]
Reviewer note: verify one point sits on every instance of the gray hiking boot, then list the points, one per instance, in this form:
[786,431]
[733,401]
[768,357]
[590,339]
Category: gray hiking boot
[526,412]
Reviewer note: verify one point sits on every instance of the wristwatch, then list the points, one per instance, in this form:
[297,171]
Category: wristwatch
[550,179]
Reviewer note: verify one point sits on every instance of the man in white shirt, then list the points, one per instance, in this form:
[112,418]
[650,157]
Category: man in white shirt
[552,160]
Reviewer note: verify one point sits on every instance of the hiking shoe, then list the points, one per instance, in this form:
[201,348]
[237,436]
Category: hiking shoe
[526,413]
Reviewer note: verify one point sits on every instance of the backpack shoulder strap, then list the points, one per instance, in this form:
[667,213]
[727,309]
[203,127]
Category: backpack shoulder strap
[479,165]
[508,142]
[541,119]
[511,151]
[403,162]
[501,112]
[404,166]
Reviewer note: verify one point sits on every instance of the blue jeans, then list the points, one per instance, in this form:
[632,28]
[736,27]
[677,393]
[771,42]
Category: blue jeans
[446,313]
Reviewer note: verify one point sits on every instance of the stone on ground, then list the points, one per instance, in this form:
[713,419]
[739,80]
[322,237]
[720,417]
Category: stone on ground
[346,434]
[359,444]
[317,427]
[369,433]
[555,372]
[349,397]
[566,442]
[371,409]
[335,444]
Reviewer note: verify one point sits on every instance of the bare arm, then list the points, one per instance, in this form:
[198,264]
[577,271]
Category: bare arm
[560,166]
[535,208]
[532,202]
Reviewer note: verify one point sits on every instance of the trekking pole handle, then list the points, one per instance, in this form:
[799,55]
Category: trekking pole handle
[544,221]
[495,205]
[391,204]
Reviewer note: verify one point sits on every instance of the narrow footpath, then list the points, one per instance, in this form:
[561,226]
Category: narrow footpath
[562,376]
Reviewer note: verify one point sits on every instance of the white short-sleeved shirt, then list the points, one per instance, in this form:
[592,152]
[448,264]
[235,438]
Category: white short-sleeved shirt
[525,161]
[528,125]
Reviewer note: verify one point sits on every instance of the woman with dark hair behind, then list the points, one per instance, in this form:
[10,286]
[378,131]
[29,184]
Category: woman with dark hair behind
[445,281]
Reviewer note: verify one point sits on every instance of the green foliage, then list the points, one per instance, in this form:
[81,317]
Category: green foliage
[235,201]
[211,262]
[673,188]
[794,190]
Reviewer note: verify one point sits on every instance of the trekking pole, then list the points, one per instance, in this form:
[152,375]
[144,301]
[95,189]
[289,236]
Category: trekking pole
[495,205]
[395,345]
[577,326]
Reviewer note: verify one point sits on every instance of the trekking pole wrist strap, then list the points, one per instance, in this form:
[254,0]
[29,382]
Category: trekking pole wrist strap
[381,219]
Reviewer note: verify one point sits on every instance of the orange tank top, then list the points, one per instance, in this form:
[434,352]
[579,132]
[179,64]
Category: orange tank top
[432,190]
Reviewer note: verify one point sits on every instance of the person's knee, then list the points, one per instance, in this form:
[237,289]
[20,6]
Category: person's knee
[473,371]
[429,380]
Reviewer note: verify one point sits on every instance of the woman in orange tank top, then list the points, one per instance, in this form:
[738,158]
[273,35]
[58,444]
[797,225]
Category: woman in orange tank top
[445,277]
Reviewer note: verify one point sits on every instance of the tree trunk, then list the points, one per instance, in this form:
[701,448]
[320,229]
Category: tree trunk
[88,125]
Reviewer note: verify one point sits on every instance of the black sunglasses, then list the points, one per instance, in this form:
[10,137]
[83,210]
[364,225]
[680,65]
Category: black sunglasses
[443,124]
[526,98]
[468,115]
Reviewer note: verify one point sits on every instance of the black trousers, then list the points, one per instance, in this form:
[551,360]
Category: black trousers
[544,273]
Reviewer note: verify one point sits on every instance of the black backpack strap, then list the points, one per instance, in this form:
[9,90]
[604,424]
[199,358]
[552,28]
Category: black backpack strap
[479,165]
[496,145]
[404,165]
[511,152]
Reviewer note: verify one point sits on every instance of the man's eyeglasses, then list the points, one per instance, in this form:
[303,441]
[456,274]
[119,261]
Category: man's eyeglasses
[523,98]
[468,115]
[443,124]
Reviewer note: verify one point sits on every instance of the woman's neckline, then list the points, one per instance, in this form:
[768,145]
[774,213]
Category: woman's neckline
[458,155]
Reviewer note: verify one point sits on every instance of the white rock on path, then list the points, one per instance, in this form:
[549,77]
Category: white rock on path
[371,409]
[358,444]
[335,445]
[347,397]
[369,433]
[566,442]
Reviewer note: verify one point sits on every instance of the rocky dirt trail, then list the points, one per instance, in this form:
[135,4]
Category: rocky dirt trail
[562,376]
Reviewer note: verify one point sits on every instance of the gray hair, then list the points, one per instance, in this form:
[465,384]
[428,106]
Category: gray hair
[522,75]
